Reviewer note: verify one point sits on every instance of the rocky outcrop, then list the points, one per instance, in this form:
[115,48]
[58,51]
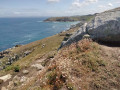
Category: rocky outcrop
[37,66]
[25,71]
[104,27]
[76,36]
[9,58]
[6,77]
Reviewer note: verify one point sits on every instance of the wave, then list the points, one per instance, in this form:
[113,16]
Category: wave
[24,39]
[55,22]
[21,42]
[53,27]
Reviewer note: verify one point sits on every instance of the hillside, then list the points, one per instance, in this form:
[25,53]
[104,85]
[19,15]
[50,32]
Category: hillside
[71,18]
[83,64]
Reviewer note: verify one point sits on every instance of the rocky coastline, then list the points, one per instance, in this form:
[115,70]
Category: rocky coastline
[80,63]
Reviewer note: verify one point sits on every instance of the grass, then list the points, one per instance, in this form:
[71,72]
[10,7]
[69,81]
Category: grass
[74,67]
[14,68]
[52,43]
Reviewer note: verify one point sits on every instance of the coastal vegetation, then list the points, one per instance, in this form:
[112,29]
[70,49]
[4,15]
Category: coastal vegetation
[82,65]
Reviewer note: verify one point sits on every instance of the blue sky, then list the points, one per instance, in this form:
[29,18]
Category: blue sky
[33,8]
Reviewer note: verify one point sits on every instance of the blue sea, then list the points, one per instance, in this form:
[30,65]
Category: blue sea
[14,31]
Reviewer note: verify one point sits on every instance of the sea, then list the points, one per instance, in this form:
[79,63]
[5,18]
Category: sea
[20,31]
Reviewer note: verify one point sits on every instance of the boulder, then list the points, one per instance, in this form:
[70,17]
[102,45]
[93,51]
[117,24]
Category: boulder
[105,26]
[27,52]
[25,71]
[18,45]
[43,45]
[86,36]
[37,66]
[6,77]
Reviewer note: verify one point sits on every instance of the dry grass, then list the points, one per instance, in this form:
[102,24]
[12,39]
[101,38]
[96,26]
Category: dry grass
[84,68]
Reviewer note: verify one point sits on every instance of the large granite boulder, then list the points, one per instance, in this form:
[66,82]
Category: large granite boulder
[105,26]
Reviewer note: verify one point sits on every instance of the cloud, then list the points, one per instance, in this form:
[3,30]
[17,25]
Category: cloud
[110,4]
[118,2]
[101,6]
[92,1]
[77,3]
[52,1]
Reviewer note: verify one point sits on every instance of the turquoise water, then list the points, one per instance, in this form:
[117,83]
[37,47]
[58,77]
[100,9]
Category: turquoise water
[15,31]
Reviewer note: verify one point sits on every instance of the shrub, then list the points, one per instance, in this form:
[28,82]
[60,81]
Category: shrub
[17,68]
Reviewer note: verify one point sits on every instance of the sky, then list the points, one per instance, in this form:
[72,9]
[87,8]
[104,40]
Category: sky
[39,8]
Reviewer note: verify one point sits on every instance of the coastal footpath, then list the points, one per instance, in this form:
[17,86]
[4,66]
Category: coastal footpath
[79,64]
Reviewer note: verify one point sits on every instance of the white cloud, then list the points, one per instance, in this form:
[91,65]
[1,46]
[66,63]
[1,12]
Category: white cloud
[92,1]
[110,4]
[77,3]
[52,1]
